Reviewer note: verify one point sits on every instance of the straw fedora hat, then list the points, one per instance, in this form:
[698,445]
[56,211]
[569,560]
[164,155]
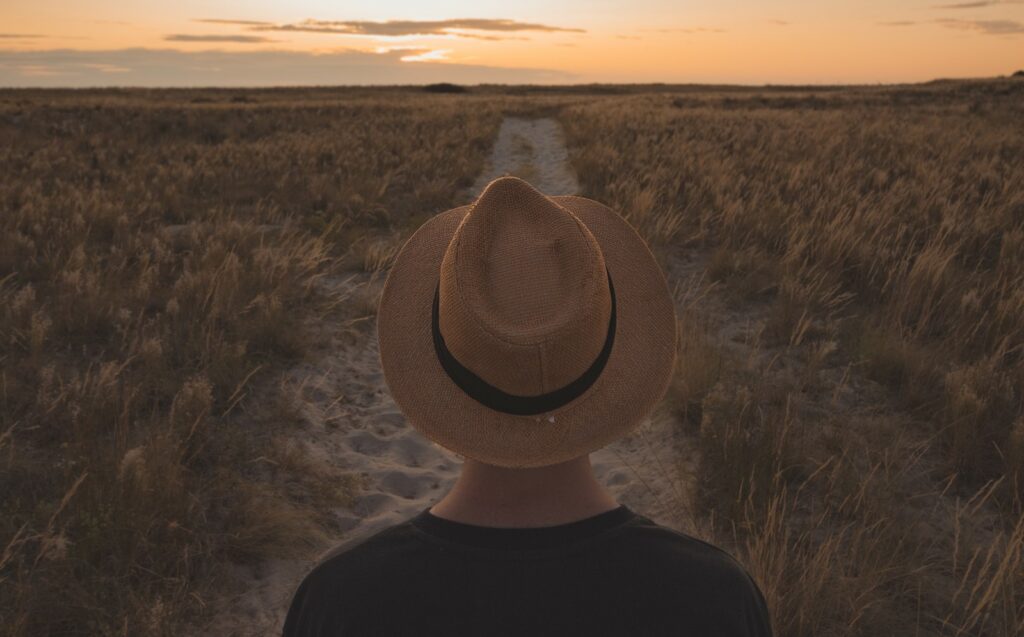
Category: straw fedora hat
[523,330]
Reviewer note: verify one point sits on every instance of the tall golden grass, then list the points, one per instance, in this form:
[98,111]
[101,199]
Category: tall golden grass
[160,252]
[860,445]
[850,369]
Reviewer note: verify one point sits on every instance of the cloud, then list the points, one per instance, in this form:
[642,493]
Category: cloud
[416,53]
[454,27]
[169,67]
[19,36]
[426,55]
[976,5]
[688,30]
[248,23]
[37,70]
[245,39]
[984,27]
[480,36]
[987,27]
[779,23]
[105,68]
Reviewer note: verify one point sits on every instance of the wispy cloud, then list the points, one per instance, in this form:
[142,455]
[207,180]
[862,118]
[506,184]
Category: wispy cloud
[983,27]
[976,5]
[248,23]
[987,27]
[416,27]
[413,53]
[169,67]
[20,36]
[243,39]
[688,30]
[426,55]
[37,71]
[105,68]
[779,23]
[455,27]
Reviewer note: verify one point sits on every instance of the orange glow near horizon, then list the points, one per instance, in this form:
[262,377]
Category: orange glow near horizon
[730,41]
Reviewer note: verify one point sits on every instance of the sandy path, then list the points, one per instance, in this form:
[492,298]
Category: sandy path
[533,149]
[352,423]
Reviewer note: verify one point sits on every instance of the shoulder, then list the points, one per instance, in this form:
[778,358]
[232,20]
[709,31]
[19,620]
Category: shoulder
[340,579]
[364,550]
[679,546]
[701,570]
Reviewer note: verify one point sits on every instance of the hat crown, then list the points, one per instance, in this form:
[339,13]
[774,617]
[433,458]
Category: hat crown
[524,301]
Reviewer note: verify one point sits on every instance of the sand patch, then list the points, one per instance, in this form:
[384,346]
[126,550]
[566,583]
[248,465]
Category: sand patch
[532,149]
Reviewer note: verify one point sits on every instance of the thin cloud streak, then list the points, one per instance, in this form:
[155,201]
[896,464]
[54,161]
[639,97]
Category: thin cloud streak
[453,27]
[688,30]
[241,39]
[20,36]
[418,28]
[475,36]
[981,27]
[976,5]
[248,23]
[426,56]
[986,27]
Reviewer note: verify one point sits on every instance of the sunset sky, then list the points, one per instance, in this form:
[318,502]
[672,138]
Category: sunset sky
[263,42]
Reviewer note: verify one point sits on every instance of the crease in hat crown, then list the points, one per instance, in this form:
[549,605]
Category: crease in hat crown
[524,301]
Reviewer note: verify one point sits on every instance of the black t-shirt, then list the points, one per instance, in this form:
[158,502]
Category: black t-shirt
[615,573]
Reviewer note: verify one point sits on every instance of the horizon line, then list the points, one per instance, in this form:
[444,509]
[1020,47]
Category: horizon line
[172,87]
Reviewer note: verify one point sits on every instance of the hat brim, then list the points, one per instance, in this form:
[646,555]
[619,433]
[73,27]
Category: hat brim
[634,379]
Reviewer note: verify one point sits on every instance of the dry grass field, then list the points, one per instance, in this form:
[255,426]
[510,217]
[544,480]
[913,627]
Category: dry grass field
[852,366]
[158,252]
[849,264]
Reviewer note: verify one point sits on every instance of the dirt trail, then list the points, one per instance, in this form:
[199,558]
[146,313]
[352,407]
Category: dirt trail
[352,424]
[533,149]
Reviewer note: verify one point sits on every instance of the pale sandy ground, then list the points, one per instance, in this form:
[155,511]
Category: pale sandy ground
[533,149]
[352,423]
